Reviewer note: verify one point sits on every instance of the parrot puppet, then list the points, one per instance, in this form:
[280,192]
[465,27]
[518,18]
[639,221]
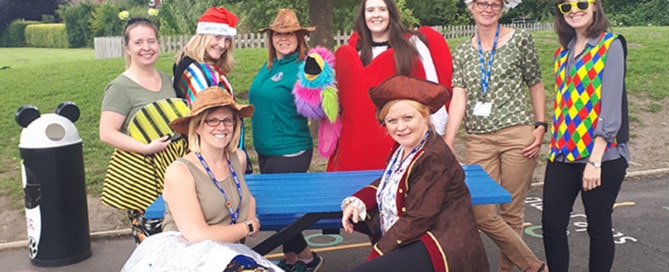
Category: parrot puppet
[316,97]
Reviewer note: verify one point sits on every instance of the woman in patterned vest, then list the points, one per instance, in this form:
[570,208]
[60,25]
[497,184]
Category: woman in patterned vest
[589,150]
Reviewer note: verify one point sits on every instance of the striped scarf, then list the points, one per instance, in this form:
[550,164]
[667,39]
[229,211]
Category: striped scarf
[199,76]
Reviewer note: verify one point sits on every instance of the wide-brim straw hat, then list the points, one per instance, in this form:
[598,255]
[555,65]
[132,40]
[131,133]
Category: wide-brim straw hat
[211,97]
[432,95]
[286,21]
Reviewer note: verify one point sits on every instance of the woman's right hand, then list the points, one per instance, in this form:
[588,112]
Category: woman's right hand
[349,214]
[158,145]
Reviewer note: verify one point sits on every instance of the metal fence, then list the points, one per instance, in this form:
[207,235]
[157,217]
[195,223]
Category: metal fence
[112,47]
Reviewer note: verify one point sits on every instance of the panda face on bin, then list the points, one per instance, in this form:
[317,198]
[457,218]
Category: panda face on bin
[48,130]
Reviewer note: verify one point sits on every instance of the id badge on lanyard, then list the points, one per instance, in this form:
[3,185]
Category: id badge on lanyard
[482,107]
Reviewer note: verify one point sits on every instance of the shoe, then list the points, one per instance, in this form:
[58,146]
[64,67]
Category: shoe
[285,266]
[312,266]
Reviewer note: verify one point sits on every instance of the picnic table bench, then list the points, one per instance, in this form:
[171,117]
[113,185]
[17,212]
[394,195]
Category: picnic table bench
[292,202]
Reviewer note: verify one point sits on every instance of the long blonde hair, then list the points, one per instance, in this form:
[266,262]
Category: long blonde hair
[196,49]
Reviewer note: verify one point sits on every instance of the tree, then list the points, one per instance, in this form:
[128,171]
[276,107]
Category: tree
[437,12]
[320,14]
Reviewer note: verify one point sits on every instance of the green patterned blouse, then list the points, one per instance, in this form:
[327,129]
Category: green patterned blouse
[515,64]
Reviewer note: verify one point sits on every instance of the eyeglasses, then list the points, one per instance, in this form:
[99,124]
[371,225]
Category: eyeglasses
[485,5]
[567,7]
[228,122]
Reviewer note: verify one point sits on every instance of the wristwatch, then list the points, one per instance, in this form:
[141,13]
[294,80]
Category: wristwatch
[250,226]
[541,124]
[595,164]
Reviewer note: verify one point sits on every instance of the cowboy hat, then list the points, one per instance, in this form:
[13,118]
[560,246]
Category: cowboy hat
[211,97]
[286,21]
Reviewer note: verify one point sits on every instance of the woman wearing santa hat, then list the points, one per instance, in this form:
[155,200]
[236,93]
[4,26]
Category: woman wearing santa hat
[207,57]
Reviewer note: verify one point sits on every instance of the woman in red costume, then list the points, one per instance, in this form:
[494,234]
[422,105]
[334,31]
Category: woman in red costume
[380,48]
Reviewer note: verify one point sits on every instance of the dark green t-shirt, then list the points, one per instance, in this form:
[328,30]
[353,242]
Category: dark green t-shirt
[278,129]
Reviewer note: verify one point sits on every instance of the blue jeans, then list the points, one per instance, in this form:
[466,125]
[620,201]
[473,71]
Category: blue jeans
[562,183]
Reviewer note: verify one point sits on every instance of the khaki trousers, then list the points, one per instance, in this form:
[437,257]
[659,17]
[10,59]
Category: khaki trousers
[500,155]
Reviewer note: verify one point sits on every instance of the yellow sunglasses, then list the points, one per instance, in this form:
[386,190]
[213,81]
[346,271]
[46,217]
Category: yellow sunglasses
[567,7]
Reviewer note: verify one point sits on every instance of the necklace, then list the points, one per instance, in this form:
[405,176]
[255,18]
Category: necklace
[233,214]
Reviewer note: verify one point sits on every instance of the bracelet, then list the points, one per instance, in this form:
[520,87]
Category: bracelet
[541,124]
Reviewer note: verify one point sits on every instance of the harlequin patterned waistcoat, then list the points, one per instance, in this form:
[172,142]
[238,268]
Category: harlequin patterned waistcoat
[578,101]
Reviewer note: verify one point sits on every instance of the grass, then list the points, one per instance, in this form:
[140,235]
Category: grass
[47,77]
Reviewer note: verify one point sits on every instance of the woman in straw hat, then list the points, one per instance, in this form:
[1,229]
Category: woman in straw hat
[207,58]
[380,48]
[209,208]
[418,214]
[280,134]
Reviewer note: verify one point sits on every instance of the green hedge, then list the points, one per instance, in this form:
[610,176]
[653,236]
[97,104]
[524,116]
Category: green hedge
[14,35]
[46,35]
[75,17]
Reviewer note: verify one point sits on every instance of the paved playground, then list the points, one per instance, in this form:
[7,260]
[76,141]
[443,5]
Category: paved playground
[640,223]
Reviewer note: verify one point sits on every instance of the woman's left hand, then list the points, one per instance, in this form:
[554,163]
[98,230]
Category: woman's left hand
[591,177]
[532,150]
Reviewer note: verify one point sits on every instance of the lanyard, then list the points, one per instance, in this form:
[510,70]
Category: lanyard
[233,215]
[389,170]
[485,75]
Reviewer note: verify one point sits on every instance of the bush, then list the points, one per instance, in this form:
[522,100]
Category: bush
[104,21]
[14,36]
[46,35]
[76,17]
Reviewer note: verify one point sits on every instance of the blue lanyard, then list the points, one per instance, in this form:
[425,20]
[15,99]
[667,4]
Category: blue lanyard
[233,215]
[485,75]
[389,170]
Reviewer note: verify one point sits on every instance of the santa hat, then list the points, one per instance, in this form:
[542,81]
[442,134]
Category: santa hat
[217,21]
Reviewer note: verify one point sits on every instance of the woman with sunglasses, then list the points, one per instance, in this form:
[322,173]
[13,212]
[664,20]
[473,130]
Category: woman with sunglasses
[504,121]
[600,126]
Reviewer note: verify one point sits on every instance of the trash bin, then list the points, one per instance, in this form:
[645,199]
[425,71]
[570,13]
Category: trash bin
[54,186]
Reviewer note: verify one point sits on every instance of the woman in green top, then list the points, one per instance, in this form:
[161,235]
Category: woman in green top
[281,135]
[504,121]
[140,84]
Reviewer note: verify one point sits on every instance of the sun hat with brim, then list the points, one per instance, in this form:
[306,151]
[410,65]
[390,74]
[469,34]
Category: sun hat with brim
[430,94]
[211,97]
[286,21]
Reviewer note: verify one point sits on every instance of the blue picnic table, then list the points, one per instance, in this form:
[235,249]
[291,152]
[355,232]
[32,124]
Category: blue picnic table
[292,202]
